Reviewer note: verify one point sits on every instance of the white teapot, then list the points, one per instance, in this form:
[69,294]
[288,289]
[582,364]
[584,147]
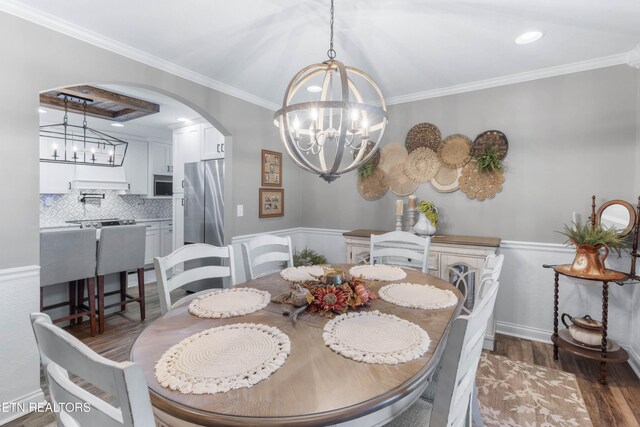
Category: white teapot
[584,329]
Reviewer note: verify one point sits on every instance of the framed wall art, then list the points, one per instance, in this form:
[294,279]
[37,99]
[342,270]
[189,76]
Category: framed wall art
[271,202]
[271,169]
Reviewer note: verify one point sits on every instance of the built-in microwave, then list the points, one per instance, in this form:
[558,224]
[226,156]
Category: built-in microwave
[162,185]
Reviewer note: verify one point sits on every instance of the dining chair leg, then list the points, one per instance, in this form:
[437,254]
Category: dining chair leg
[476,416]
[100,304]
[92,305]
[123,289]
[41,299]
[72,300]
[80,299]
[141,292]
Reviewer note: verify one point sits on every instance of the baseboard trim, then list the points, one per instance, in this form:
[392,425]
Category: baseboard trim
[634,360]
[24,405]
[526,332]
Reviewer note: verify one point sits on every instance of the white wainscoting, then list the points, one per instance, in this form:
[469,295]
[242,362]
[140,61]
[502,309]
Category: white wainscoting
[20,368]
[525,301]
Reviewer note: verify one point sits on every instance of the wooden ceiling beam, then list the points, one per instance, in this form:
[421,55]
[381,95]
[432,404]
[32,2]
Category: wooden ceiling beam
[74,106]
[98,94]
[100,103]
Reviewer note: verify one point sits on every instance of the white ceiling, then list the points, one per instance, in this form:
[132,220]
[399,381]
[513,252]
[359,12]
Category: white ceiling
[412,48]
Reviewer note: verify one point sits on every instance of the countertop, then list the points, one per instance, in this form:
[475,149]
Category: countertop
[69,225]
[449,239]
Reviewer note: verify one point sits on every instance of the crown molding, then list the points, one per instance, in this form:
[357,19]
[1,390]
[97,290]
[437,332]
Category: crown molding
[56,24]
[633,58]
[543,73]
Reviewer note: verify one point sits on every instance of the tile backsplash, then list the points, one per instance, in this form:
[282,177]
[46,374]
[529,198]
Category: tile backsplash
[56,209]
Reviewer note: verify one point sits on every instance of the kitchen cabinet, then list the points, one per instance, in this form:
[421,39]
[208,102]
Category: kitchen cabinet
[166,238]
[178,221]
[160,158]
[55,178]
[187,143]
[455,259]
[136,167]
[212,143]
[159,239]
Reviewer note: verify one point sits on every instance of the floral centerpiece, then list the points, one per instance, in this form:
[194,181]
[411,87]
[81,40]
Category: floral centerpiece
[332,294]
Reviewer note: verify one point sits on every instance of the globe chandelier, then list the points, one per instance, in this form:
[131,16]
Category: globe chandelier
[332,118]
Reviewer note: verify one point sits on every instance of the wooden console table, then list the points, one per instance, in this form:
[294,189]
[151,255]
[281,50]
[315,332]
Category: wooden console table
[454,259]
[601,354]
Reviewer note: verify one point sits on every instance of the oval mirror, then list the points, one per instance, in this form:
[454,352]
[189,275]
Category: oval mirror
[617,214]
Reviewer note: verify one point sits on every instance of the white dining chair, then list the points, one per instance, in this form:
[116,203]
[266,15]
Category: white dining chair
[400,248]
[491,270]
[267,254]
[196,251]
[61,353]
[454,392]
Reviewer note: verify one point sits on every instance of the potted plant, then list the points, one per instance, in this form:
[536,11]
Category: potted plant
[308,257]
[428,221]
[588,239]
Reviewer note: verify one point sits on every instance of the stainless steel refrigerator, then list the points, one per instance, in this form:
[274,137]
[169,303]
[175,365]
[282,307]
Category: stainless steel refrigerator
[204,213]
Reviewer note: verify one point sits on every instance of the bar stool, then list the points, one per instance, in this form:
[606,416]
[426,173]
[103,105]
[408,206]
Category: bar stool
[120,250]
[69,256]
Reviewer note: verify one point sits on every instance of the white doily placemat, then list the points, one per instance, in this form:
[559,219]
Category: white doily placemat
[303,274]
[378,272]
[413,295]
[229,303]
[374,337]
[223,358]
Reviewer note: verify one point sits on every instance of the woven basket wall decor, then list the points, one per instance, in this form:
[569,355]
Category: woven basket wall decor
[480,185]
[455,151]
[375,160]
[425,135]
[399,183]
[375,186]
[490,138]
[422,165]
[447,180]
[390,155]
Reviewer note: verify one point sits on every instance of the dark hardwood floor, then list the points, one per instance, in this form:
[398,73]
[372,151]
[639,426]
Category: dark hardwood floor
[617,404]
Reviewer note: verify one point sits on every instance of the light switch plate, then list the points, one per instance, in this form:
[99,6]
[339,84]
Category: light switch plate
[239,210]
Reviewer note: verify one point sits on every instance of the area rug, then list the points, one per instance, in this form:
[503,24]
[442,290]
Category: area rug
[519,394]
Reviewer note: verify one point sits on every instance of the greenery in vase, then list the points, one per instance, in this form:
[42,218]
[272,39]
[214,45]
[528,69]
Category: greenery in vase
[593,235]
[308,257]
[430,211]
[366,170]
[489,161]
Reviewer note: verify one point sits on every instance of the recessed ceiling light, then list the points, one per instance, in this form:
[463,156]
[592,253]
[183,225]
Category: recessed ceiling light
[314,89]
[117,125]
[529,37]
[42,110]
[182,119]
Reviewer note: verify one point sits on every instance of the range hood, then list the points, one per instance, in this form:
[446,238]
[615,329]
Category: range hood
[106,178]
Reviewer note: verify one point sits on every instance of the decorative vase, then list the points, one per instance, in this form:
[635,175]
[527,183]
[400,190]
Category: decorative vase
[589,261]
[424,227]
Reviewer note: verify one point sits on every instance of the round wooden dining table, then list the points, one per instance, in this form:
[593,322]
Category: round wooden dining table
[315,386]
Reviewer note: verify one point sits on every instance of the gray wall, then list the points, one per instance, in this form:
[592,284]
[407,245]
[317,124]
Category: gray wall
[569,137]
[36,59]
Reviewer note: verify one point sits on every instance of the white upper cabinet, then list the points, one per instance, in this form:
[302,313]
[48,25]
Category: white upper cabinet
[55,178]
[160,158]
[136,168]
[187,145]
[212,144]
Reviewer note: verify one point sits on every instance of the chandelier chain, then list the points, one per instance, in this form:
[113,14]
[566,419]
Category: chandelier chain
[331,53]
